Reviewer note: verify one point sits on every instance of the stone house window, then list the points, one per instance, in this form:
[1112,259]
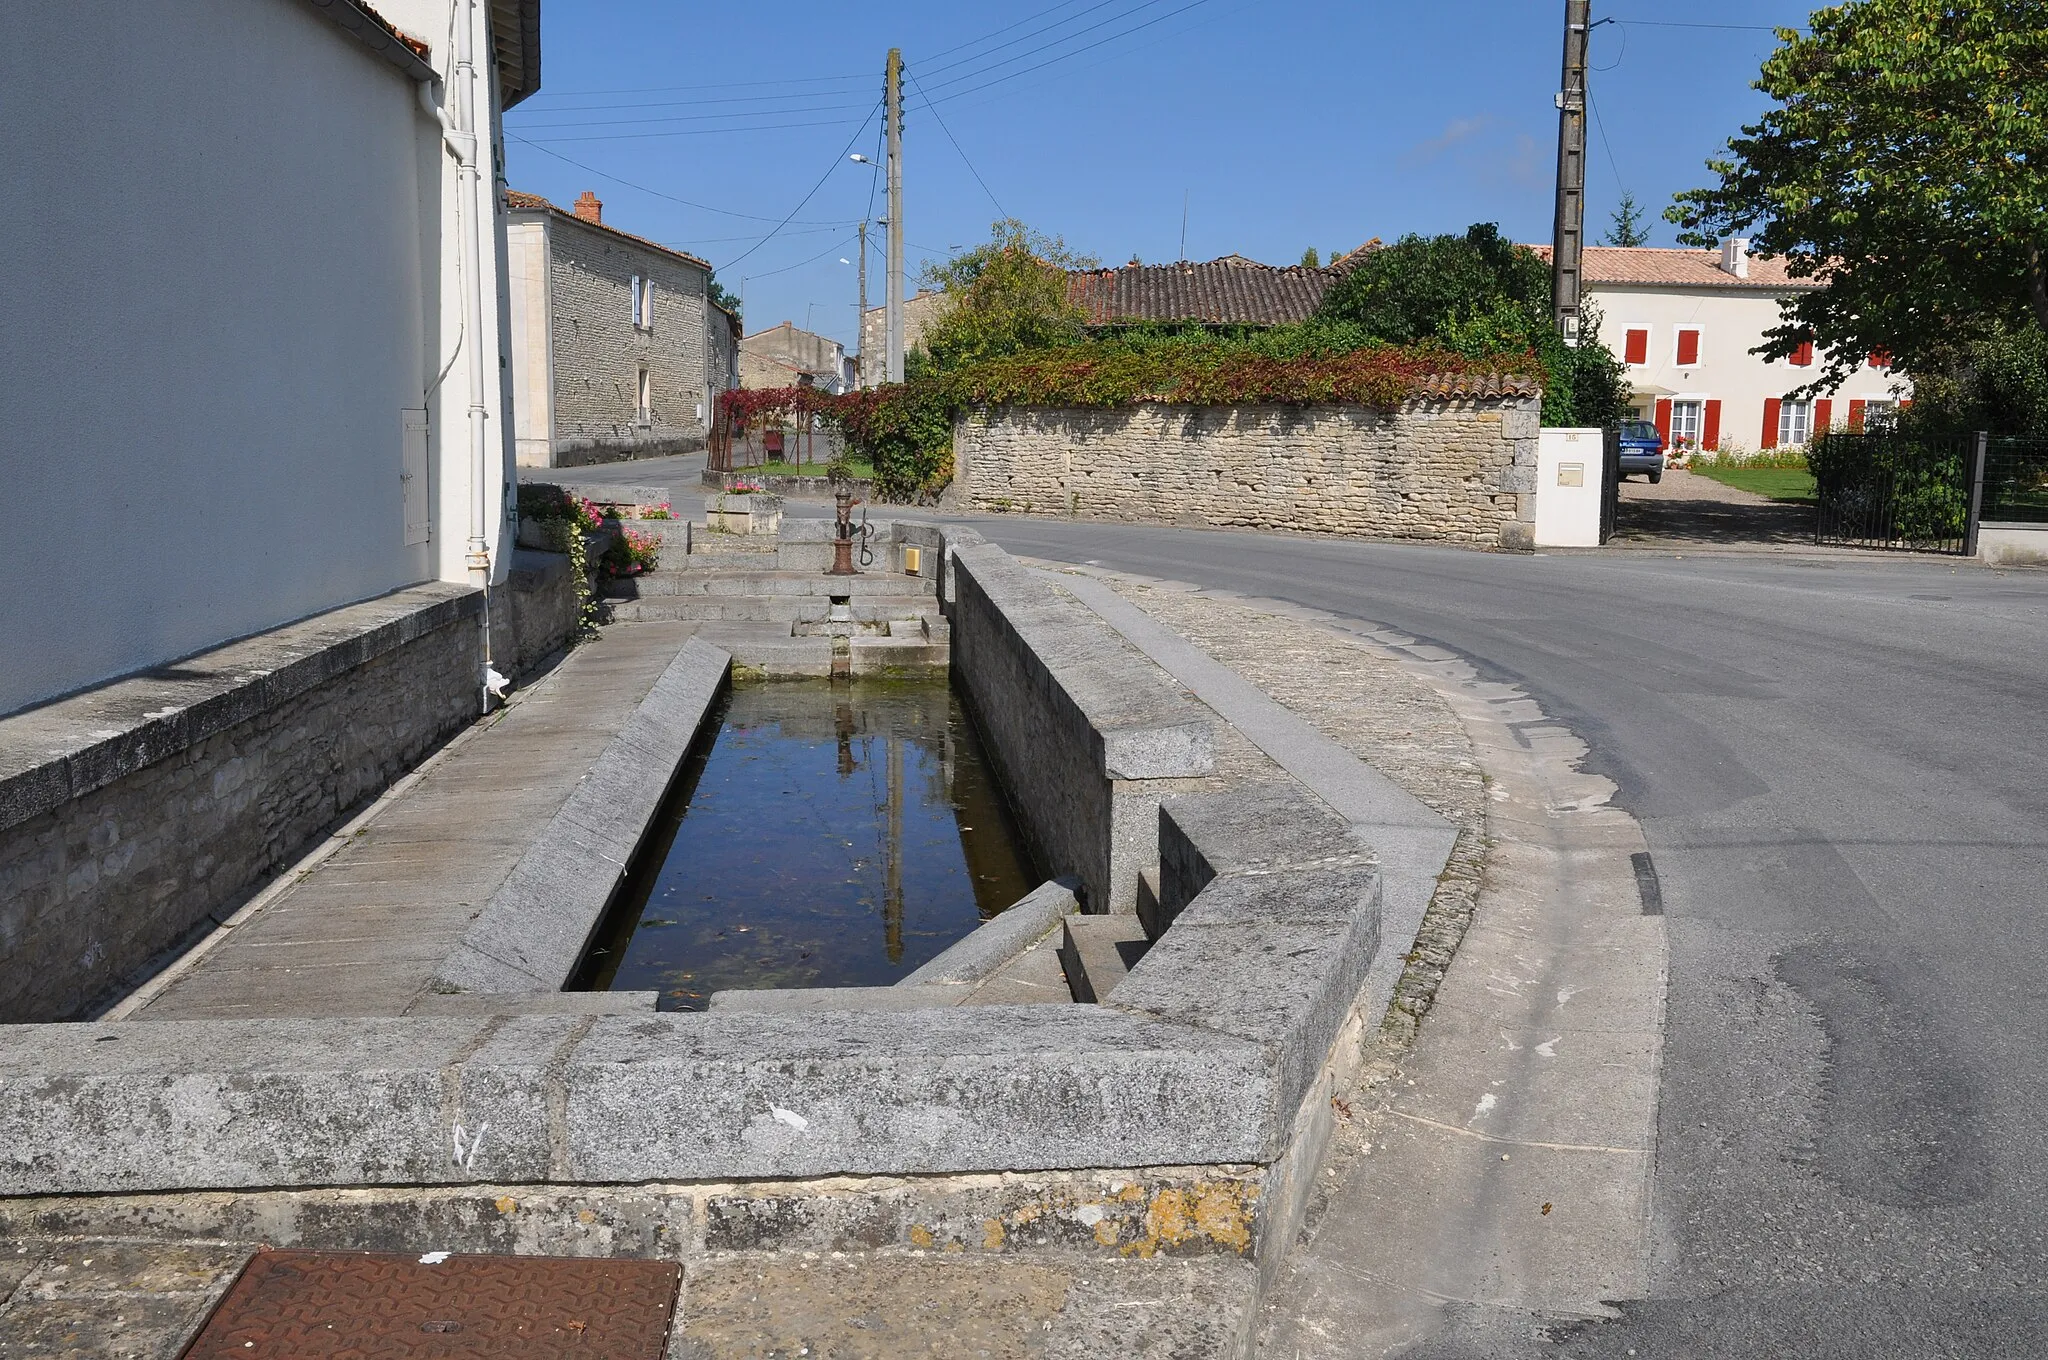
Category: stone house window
[646,390]
[643,303]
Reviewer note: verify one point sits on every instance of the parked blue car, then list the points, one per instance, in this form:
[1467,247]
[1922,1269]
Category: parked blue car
[1642,450]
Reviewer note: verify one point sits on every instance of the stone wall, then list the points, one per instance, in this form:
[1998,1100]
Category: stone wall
[1458,470]
[136,813]
[598,351]
[1086,734]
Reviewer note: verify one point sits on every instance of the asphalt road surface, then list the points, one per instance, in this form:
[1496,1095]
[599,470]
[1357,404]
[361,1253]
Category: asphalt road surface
[1838,763]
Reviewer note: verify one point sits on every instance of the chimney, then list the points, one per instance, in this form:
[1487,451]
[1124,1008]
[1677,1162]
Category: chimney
[1734,255]
[588,208]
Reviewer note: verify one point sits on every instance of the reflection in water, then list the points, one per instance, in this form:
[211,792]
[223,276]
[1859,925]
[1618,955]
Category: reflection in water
[834,835]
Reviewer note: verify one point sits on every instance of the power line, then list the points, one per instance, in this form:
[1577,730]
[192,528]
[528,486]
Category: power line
[1000,211]
[975,42]
[840,244]
[801,100]
[1014,75]
[686,132]
[725,85]
[657,193]
[979,72]
[843,151]
[1062,23]
[690,117]
[1599,123]
[1737,28]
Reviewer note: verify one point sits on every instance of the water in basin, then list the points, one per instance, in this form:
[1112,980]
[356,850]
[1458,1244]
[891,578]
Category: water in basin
[833,834]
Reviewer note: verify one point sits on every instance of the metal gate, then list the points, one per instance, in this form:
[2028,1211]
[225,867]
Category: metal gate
[1912,493]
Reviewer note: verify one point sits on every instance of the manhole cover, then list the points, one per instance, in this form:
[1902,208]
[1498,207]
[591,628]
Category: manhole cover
[289,1305]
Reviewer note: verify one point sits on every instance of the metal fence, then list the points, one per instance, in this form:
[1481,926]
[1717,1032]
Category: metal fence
[1883,489]
[1610,484]
[2015,481]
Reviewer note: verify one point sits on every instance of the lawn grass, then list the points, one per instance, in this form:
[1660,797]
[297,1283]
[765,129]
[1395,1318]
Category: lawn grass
[1780,484]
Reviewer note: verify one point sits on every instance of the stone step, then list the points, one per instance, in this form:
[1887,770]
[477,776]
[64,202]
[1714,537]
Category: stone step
[668,580]
[752,609]
[1033,978]
[1099,951]
[783,1000]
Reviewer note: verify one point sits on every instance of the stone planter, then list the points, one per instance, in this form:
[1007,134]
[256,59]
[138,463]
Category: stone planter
[754,512]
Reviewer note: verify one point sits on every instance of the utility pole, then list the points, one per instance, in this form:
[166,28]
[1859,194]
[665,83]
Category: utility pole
[1568,229]
[860,327]
[894,96]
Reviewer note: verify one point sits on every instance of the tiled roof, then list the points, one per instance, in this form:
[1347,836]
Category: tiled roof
[535,203]
[1659,266]
[1439,386]
[1229,291]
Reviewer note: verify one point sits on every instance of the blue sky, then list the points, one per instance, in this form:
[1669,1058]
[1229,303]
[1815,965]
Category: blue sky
[1283,124]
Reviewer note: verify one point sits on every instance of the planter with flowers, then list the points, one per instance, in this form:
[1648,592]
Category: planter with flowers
[743,508]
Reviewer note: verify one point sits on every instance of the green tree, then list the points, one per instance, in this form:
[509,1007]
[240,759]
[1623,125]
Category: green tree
[1480,294]
[1311,260]
[1007,295]
[1626,226]
[1905,167]
[715,290]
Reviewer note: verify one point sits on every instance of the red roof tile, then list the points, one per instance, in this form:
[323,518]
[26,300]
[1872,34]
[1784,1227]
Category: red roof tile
[1662,267]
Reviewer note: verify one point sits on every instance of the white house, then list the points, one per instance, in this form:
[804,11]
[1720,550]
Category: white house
[251,365]
[1685,323]
[618,350]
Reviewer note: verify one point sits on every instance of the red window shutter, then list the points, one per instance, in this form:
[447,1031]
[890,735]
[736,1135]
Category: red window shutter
[1664,420]
[1803,356]
[1770,439]
[1823,415]
[1688,348]
[1636,347]
[1710,427]
[1855,417]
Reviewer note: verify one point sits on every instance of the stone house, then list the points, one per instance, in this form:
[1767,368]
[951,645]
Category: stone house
[618,350]
[1685,323]
[789,356]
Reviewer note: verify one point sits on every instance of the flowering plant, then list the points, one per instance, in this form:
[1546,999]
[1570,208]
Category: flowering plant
[661,511]
[743,488]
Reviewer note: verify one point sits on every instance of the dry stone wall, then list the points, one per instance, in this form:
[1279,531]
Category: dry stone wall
[1459,470]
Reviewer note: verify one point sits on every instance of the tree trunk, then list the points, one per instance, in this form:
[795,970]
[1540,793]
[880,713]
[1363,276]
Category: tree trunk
[2037,284]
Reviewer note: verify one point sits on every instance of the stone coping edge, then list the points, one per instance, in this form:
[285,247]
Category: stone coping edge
[1143,727]
[995,942]
[69,747]
[216,1105]
[532,933]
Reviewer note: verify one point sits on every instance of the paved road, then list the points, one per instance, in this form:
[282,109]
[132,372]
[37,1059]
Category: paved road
[1838,764]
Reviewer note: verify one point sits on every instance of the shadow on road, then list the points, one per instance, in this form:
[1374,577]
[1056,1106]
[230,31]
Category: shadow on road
[1704,520]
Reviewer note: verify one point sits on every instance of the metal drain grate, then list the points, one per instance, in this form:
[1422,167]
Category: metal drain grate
[295,1305]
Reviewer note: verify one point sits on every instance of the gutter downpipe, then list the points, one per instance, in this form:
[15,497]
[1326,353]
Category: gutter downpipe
[459,132]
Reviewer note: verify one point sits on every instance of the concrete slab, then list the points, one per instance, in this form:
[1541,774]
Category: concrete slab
[786,1000]
[1044,1308]
[409,883]
[1034,978]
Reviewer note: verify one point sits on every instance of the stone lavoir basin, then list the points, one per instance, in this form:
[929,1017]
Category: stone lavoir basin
[822,834]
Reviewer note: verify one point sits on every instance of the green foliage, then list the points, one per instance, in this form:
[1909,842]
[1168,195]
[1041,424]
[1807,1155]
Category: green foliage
[1625,228]
[905,430]
[1922,478]
[1997,383]
[1311,260]
[1479,294]
[719,297]
[1903,168]
[1007,295]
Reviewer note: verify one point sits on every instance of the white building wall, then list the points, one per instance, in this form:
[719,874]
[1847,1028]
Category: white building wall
[211,281]
[526,249]
[229,268]
[1731,322]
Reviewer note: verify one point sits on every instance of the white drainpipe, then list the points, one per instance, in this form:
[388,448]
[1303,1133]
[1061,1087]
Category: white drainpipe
[458,130]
